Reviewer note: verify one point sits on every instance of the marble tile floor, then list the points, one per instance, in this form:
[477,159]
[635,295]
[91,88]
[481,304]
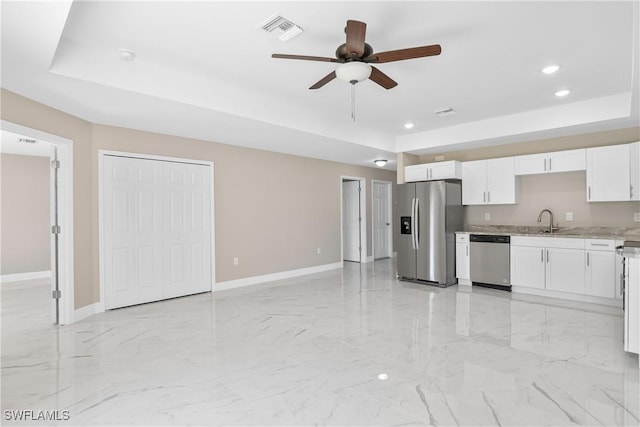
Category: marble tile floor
[312,350]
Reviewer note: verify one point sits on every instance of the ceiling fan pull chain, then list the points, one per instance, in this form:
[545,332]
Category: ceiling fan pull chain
[353,102]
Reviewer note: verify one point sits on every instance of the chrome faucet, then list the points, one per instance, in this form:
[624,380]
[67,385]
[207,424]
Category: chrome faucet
[552,227]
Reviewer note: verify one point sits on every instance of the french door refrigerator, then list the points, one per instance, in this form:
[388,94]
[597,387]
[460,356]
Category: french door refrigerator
[429,215]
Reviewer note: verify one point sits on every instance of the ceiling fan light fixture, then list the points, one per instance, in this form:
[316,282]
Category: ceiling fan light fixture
[353,72]
[380,162]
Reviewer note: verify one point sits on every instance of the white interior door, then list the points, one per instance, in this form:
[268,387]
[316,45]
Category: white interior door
[187,229]
[156,230]
[351,220]
[132,231]
[381,219]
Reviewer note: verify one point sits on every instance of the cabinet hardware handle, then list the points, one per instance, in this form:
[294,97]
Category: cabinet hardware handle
[599,244]
[484,197]
[587,259]
[545,165]
[542,255]
[630,191]
[467,250]
[549,164]
[547,256]
[589,193]
[488,196]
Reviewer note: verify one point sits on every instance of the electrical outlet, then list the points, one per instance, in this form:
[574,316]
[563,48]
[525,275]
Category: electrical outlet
[636,217]
[487,216]
[236,261]
[569,216]
[319,250]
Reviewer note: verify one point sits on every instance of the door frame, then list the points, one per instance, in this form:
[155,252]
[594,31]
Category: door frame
[66,283]
[142,156]
[363,213]
[389,185]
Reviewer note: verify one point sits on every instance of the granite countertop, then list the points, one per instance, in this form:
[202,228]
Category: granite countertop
[614,233]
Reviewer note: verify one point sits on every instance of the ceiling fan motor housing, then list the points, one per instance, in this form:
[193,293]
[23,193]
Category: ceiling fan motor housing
[341,53]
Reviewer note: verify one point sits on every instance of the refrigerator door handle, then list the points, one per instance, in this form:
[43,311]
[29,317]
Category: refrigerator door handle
[413,223]
[417,221]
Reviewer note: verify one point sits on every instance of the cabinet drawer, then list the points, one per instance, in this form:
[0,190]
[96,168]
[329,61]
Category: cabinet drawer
[600,245]
[462,237]
[548,242]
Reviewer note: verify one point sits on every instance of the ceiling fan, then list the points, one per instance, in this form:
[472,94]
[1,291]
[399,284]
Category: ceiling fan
[355,55]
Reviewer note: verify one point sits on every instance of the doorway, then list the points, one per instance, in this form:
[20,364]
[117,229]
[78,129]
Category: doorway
[59,152]
[381,206]
[354,235]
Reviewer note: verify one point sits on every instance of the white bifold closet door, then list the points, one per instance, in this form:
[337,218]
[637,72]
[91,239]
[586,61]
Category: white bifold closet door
[156,230]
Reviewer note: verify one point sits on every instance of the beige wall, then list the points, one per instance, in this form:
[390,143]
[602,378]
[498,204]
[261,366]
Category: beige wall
[25,214]
[272,210]
[564,192]
[25,112]
[595,139]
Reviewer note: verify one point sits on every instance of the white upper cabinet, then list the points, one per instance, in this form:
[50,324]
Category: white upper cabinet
[559,161]
[451,169]
[609,173]
[490,182]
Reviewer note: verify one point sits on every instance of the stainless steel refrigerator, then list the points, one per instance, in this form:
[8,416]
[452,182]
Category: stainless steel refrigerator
[429,215]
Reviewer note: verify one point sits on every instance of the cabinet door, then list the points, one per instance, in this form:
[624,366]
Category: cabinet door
[501,181]
[462,261]
[527,266]
[565,270]
[531,164]
[634,172]
[445,170]
[608,173]
[601,279]
[474,182]
[567,161]
[415,173]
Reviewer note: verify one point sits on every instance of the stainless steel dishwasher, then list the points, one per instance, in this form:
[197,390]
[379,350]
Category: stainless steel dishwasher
[490,261]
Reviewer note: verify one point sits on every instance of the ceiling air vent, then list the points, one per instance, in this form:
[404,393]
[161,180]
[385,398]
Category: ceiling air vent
[281,27]
[445,112]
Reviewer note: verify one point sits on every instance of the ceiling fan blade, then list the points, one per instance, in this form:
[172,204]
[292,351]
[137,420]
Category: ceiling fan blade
[382,79]
[323,81]
[356,31]
[303,57]
[402,54]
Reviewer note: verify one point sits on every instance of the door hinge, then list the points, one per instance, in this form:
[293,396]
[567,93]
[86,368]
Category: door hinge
[57,294]
[55,229]
[55,164]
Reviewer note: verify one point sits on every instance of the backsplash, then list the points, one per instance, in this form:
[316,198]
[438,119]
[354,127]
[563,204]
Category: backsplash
[562,193]
[621,233]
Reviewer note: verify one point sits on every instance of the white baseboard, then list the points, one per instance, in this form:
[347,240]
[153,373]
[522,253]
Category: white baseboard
[86,311]
[248,281]
[18,277]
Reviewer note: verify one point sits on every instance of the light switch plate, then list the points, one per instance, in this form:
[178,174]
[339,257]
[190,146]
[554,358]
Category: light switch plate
[569,216]
[487,216]
[235,260]
[636,217]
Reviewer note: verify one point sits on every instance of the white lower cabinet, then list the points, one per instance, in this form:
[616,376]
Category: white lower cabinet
[565,270]
[587,267]
[527,266]
[463,261]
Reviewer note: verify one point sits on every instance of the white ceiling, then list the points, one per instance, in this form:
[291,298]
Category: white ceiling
[203,70]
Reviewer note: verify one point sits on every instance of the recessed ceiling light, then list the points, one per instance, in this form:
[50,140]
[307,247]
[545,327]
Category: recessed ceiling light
[550,69]
[408,125]
[563,92]
[383,377]
[127,55]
